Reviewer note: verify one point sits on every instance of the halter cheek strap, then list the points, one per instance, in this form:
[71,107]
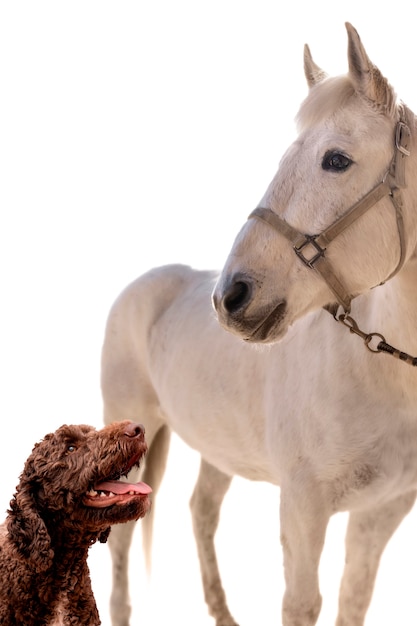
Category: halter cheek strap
[311,248]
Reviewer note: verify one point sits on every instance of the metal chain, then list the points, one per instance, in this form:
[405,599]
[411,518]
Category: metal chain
[382,346]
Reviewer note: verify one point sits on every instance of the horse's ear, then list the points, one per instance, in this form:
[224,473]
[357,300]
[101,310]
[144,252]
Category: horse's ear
[366,77]
[314,73]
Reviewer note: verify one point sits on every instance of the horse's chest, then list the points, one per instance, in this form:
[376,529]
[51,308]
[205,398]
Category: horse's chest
[399,459]
[383,471]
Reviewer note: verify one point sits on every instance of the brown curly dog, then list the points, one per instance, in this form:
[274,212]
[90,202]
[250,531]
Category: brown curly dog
[68,497]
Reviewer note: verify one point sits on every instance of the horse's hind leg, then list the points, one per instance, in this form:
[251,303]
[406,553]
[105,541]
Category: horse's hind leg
[205,505]
[119,542]
[367,535]
[121,534]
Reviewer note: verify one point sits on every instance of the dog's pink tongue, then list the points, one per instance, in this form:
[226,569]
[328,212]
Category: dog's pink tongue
[122,488]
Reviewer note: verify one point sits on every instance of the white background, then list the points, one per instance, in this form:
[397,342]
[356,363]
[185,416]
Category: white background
[134,134]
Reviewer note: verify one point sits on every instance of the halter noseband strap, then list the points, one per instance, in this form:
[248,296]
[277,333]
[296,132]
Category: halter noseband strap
[311,248]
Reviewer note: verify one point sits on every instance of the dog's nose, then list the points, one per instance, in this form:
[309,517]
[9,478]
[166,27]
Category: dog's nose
[135,430]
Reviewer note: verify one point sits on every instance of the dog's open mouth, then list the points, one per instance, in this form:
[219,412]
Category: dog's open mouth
[115,491]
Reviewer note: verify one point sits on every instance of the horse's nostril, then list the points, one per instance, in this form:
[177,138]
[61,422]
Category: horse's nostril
[135,430]
[236,296]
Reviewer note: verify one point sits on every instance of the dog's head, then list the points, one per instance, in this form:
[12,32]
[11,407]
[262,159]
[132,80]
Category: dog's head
[71,482]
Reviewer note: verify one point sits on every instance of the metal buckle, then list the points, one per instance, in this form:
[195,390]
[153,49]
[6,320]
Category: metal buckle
[399,134]
[309,240]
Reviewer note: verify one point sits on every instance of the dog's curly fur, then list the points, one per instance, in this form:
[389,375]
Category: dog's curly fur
[60,508]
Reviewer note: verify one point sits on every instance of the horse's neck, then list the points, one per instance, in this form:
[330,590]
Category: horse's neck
[391,309]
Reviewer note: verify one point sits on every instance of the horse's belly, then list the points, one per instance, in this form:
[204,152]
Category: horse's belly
[226,448]
[223,432]
[212,396]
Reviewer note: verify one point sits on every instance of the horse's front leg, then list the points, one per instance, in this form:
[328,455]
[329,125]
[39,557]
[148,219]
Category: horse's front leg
[304,518]
[206,501]
[367,535]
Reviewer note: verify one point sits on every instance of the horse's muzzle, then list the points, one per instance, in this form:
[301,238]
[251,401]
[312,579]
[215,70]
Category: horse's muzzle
[232,304]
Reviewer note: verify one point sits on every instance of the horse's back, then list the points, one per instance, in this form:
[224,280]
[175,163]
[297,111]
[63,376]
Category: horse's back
[153,292]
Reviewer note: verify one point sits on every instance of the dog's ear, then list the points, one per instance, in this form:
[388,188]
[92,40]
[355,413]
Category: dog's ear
[27,530]
[104,535]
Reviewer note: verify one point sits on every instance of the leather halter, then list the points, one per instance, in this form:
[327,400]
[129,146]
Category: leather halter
[311,248]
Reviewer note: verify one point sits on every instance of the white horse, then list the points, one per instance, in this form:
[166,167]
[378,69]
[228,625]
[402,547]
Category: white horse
[326,412]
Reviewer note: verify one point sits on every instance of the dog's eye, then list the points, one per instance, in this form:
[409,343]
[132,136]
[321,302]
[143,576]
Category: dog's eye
[71,448]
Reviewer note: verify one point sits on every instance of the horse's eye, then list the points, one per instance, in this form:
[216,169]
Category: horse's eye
[335,162]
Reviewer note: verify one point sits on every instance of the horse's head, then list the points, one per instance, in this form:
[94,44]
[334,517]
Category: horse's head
[352,149]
